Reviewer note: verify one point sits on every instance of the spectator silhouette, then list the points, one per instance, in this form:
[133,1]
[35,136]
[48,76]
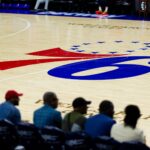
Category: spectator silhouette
[47,115]
[128,131]
[100,124]
[75,120]
[8,110]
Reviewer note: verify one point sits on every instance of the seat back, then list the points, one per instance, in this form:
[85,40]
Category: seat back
[77,141]
[105,143]
[29,136]
[53,138]
[8,135]
[133,145]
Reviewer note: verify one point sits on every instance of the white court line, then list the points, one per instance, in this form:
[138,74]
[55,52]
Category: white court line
[23,75]
[28,24]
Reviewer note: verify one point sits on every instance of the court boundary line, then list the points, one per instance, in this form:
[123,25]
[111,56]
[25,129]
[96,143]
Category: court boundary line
[28,25]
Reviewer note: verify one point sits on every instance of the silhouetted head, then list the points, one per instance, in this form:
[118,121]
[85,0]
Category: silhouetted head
[13,97]
[50,99]
[106,107]
[80,105]
[132,114]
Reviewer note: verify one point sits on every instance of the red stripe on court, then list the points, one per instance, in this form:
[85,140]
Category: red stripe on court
[58,52]
[55,52]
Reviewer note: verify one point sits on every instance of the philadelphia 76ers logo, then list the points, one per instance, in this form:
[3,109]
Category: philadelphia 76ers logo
[120,64]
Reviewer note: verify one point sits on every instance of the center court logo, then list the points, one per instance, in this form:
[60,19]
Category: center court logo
[117,64]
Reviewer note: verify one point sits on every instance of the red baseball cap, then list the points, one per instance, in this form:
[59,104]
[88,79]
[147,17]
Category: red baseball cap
[12,94]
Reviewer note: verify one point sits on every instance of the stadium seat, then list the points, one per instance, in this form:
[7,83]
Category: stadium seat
[29,136]
[105,143]
[8,135]
[53,138]
[78,141]
[133,145]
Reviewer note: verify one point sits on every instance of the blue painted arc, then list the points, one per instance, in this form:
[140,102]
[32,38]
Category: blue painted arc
[122,71]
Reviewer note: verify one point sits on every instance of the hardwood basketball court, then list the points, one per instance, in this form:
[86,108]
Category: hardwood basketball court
[76,40]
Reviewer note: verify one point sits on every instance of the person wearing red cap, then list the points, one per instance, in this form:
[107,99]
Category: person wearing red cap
[8,110]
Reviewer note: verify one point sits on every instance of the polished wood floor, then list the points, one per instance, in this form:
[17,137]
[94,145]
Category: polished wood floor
[22,34]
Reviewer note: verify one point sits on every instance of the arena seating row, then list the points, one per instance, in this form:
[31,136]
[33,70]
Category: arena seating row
[54,5]
[129,7]
[52,138]
[14,6]
[86,6]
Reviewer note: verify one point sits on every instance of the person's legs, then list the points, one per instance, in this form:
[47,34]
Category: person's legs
[99,11]
[106,6]
[100,5]
[103,4]
[100,8]
[37,4]
[46,4]
[106,9]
